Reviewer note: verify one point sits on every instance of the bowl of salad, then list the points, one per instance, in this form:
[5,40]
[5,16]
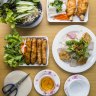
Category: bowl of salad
[20,13]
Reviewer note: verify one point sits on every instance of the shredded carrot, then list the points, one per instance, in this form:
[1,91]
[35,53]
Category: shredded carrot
[61,17]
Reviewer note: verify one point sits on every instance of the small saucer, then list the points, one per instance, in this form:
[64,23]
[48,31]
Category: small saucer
[42,74]
[77,85]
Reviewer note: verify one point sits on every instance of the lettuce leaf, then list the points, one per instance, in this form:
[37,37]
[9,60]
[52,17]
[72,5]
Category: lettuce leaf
[13,55]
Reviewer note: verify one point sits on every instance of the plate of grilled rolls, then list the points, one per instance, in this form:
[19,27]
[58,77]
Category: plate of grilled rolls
[67,10]
[35,50]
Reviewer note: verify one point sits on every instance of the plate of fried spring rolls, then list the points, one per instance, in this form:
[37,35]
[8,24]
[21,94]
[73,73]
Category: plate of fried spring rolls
[35,50]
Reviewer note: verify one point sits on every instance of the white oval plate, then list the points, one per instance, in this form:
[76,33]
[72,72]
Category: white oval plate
[43,73]
[56,43]
[77,76]
[14,77]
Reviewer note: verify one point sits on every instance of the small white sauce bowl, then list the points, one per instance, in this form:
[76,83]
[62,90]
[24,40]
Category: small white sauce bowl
[78,88]
[77,85]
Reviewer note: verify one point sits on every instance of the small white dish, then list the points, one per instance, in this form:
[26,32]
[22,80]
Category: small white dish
[14,77]
[45,73]
[38,37]
[60,37]
[77,85]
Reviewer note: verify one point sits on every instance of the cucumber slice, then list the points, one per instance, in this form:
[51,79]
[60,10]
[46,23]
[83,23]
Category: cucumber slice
[25,3]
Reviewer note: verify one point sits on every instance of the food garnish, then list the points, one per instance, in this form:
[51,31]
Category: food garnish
[27,11]
[57,4]
[61,17]
[13,55]
[76,49]
[71,35]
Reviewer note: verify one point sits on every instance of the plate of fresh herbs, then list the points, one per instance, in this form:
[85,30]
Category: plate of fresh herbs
[13,55]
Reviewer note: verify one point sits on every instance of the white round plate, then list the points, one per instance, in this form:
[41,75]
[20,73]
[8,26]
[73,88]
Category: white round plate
[43,73]
[14,77]
[56,43]
[74,77]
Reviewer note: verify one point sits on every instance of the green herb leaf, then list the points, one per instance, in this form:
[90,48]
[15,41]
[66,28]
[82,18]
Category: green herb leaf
[13,55]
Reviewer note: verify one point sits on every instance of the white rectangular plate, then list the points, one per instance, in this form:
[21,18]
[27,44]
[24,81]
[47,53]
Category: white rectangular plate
[75,18]
[42,37]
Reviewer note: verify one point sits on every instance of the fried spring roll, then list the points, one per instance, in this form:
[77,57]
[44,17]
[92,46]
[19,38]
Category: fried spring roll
[82,8]
[28,44]
[33,53]
[27,54]
[71,8]
[39,51]
[27,57]
[44,51]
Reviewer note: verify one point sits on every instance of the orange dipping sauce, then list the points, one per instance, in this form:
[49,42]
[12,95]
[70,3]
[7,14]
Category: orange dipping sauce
[47,84]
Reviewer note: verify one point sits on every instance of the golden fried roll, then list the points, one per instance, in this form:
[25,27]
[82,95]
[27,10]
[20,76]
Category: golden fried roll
[64,55]
[27,57]
[28,44]
[82,8]
[44,51]
[71,9]
[82,60]
[33,52]
[27,54]
[39,51]
[86,37]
